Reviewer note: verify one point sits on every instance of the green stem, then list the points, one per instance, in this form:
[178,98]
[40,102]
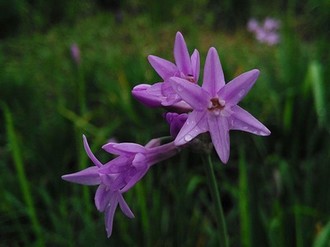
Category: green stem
[22,178]
[222,228]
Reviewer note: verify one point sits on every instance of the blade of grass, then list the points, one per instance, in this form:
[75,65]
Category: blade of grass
[244,203]
[21,175]
[323,238]
[315,76]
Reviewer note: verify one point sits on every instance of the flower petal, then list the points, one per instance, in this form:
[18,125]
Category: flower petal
[90,154]
[195,125]
[102,197]
[124,207]
[219,131]
[88,176]
[119,182]
[109,214]
[237,88]
[213,79]
[193,94]
[134,179]
[181,55]
[176,121]
[171,97]
[195,64]
[150,95]
[165,69]
[117,165]
[125,148]
[244,121]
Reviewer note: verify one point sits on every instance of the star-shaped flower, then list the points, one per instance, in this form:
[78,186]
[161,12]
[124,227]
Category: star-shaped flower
[215,106]
[120,174]
[106,199]
[162,93]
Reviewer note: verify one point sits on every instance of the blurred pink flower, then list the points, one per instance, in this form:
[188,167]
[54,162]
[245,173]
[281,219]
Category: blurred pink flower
[75,53]
[267,32]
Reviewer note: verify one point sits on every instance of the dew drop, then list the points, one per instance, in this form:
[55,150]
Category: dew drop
[216,112]
[245,128]
[179,88]
[241,93]
[188,138]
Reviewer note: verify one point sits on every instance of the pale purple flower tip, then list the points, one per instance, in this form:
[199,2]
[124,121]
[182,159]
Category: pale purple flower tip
[75,53]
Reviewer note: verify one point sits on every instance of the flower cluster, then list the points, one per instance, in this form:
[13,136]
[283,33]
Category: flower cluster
[267,32]
[191,110]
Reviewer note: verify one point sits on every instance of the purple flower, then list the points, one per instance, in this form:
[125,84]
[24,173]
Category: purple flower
[75,53]
[253,25]
[176,122]
[266,33]
[134,161]
[120,174]
[215,106]
[162,93]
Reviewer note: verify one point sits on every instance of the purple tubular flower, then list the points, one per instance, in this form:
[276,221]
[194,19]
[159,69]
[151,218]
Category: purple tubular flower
[106,199]
[75,53]
[134,161]
[120,174]
[215,106]
[162,93]
[176,122]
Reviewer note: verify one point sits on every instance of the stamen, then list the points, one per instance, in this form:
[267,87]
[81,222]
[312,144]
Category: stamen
[190,78]
[215,105]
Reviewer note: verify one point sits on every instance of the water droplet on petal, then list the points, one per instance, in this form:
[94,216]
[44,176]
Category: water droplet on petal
[179,88]
[245,128]
[241,93]
[216,112]
[188,138]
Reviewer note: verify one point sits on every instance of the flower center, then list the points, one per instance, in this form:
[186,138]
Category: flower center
[190,78]
[216,105]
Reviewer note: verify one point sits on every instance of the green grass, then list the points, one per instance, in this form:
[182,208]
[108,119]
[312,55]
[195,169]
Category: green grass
[274,190]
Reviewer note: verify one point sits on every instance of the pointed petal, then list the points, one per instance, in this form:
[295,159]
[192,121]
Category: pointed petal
[124,207]
[171,97]
[244,121]
[181,55]
[219,131]
[102,197]
[237,88]
[136,178]
[124,148]
[119,182]
[195,64]
[213,79]
[90,154]
[117,165]
[153,143]
[195,125]
[165,69]
[88,176]
[193,94]
[109,214]
[150,95]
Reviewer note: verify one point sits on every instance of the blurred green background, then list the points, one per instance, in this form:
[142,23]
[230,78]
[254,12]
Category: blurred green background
[275,190]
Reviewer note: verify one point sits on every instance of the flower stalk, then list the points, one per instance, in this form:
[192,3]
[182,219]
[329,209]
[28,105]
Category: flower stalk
[220,217]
